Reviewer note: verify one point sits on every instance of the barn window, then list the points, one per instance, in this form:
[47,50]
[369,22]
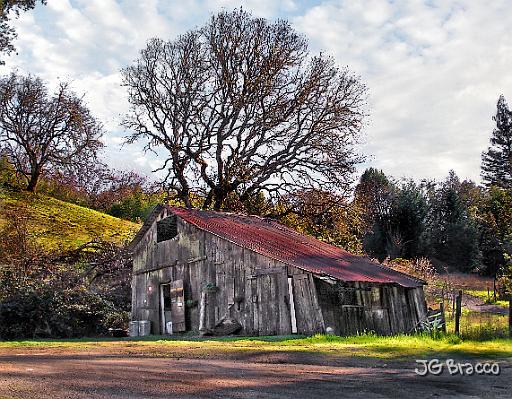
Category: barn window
[166,228]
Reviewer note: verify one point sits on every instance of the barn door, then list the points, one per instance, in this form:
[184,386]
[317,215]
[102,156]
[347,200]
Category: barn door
[266,294]
[177,306]
[308,312]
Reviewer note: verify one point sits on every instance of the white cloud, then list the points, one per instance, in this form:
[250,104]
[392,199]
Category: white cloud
[434,69]
[261,8]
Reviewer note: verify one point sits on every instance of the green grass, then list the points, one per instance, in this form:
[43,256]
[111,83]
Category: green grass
[58,225]
[479,326]
[486,298]
[394,347]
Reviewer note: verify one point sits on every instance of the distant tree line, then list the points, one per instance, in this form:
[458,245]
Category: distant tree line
[459,223]
[463,225]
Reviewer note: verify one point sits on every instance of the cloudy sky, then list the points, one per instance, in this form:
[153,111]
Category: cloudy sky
[434,68]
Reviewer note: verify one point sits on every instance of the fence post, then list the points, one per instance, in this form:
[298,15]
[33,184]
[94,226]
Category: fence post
[454,299]
[457,312]
[494,288]
[443,319]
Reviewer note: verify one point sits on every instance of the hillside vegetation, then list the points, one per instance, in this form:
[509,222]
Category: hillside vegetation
[58,225]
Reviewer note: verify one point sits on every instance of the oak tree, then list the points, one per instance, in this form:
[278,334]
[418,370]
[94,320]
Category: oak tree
[40,131]
[240,107]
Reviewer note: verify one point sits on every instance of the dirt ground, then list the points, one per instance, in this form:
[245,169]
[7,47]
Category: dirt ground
[477,305]
[94,374]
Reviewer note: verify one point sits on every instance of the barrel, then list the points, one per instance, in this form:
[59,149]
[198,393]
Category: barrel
[133,329]
[144,328]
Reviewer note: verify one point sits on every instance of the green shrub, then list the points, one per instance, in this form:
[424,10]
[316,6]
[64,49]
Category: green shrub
[119,319]
[48,311]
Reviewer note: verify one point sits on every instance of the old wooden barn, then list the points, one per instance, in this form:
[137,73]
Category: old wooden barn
[201,269]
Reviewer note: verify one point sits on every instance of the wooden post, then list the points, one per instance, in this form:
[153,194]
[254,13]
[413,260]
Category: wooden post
[494,287]
[293,317]
[202,313]
[458,306]
[441,309]
[454,296]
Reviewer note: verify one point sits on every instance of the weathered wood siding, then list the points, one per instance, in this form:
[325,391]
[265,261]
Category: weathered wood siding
[351,308]
[250,287]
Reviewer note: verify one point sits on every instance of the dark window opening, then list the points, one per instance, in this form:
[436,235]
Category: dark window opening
[166,229]
[167,296]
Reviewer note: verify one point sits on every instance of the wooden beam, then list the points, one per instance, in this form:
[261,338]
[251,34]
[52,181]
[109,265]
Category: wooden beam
[202,313]
[443,318]
[293,316]
[194,260]
[327,279]
[154,269]
[162,310]
[262,272]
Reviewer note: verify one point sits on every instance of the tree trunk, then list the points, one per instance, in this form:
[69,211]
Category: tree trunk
[220,197]
[218,204]
[34,179]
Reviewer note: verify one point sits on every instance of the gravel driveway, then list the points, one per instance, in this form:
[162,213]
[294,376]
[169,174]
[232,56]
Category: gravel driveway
[54,373]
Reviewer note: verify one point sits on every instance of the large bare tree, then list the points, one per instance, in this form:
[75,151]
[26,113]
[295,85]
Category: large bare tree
[40,131]
[240,107]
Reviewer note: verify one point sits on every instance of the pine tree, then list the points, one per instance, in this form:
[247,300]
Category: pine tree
[452,234]
[497,160]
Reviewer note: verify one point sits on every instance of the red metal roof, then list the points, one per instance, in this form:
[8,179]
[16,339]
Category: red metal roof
[272,239]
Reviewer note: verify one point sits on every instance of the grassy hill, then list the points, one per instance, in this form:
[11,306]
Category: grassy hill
[58,225]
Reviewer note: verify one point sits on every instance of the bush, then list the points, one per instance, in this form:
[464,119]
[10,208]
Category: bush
[8,176]
[119,319]
[48,311]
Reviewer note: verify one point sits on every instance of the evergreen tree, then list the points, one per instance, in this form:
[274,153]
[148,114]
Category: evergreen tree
[393,215]
[452,234]
[497,160]
[407,222]
[374,197]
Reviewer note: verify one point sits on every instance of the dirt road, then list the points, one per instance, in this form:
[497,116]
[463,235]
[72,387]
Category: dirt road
[53,373]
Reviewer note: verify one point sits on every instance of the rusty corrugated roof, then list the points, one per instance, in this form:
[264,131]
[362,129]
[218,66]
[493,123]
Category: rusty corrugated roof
[272,239]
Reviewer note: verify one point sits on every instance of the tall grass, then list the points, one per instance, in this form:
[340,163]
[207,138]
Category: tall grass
[480,326]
